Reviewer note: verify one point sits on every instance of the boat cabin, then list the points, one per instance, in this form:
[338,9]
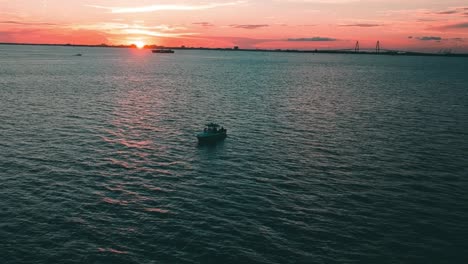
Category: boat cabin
[212,133]
[214,128]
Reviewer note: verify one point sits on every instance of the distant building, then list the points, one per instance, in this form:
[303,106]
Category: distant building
[236,47]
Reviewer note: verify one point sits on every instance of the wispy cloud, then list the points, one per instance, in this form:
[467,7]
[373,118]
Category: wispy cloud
[203,24]
[438,39]
[155,8]
[27,23]
[456,10]
[249,26]
[312,39]
[462,25]
[143,32]
[136,29]
[426,20]
[361,25]
[105,26]
[321,1]
[429,38]
[459,27]
[447,12]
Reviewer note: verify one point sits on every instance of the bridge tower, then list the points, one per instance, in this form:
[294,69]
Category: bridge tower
[356,48]
[377,47]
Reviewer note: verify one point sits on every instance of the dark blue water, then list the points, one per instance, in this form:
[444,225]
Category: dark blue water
[329,158]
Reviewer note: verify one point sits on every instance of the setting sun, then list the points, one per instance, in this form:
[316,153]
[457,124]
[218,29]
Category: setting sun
[139,44]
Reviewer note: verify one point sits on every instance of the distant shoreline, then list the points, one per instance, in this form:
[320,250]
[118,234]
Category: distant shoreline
[384,52]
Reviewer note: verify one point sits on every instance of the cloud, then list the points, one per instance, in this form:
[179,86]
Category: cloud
[457,10]
[448,12]
[322,1]
[427,20]
[456,26]
[27,23]
[133,31]
[107,26]
[429,38]
[203,24]
[53,35]
[154,8]
[439,39]
[312,39]
[249,26]
[361,25]
[136,29]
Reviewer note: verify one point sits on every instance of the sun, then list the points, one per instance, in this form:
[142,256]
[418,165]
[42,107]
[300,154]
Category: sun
[139,44]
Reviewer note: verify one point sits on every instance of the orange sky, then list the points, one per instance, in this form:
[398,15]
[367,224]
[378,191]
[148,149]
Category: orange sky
[424,25]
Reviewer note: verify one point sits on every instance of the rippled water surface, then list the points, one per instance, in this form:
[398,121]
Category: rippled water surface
[329,158]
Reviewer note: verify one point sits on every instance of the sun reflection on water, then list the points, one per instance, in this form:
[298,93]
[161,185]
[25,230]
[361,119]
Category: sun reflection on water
[134,154]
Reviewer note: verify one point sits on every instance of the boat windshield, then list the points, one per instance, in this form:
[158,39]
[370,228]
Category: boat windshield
[213,128]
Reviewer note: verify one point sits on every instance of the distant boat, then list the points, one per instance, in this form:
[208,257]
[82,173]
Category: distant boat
[211,134]
[78,54]
[162,51]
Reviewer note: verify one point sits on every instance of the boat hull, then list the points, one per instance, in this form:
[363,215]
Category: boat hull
[162,51]
[210,138]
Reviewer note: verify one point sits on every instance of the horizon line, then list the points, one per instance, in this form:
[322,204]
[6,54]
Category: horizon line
[442,52]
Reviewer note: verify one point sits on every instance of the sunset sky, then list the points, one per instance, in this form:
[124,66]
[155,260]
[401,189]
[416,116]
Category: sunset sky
[424,25]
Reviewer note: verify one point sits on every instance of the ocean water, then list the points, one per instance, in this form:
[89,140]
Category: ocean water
[329,158]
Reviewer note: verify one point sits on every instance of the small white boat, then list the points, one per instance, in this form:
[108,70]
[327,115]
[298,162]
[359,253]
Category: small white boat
[211,133]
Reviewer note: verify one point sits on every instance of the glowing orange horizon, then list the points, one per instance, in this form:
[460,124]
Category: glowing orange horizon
[300,24]
[139,44]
